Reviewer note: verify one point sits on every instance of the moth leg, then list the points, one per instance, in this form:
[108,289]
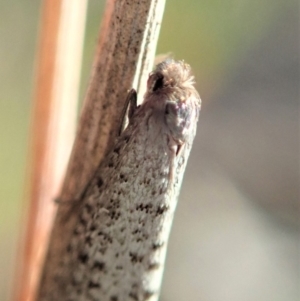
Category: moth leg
[179,149]
[81,195]
[128,110]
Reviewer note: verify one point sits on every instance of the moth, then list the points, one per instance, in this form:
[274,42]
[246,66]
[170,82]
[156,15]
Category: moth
[117,249]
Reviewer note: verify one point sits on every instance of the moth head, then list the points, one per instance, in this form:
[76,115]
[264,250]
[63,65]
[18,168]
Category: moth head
[169,76]
[171,85]
[172,95]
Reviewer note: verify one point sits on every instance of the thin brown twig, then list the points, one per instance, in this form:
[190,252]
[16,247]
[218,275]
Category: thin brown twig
[53,127]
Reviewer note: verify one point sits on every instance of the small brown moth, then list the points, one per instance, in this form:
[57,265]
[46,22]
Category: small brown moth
[117,249]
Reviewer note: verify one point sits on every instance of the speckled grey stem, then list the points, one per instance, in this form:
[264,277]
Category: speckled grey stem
[117,248]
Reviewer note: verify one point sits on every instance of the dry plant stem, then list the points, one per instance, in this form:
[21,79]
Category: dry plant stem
[124,57]
[53,128]
[125,54]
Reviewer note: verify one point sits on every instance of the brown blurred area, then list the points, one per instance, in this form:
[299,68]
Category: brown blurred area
[236,229]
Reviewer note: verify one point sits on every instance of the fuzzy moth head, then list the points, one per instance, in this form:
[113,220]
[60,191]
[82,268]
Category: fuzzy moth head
[171,86]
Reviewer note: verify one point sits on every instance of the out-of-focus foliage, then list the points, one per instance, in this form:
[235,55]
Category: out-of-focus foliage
[235,233]
[215,35]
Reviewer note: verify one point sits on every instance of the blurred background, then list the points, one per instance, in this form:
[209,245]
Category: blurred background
[236,230]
